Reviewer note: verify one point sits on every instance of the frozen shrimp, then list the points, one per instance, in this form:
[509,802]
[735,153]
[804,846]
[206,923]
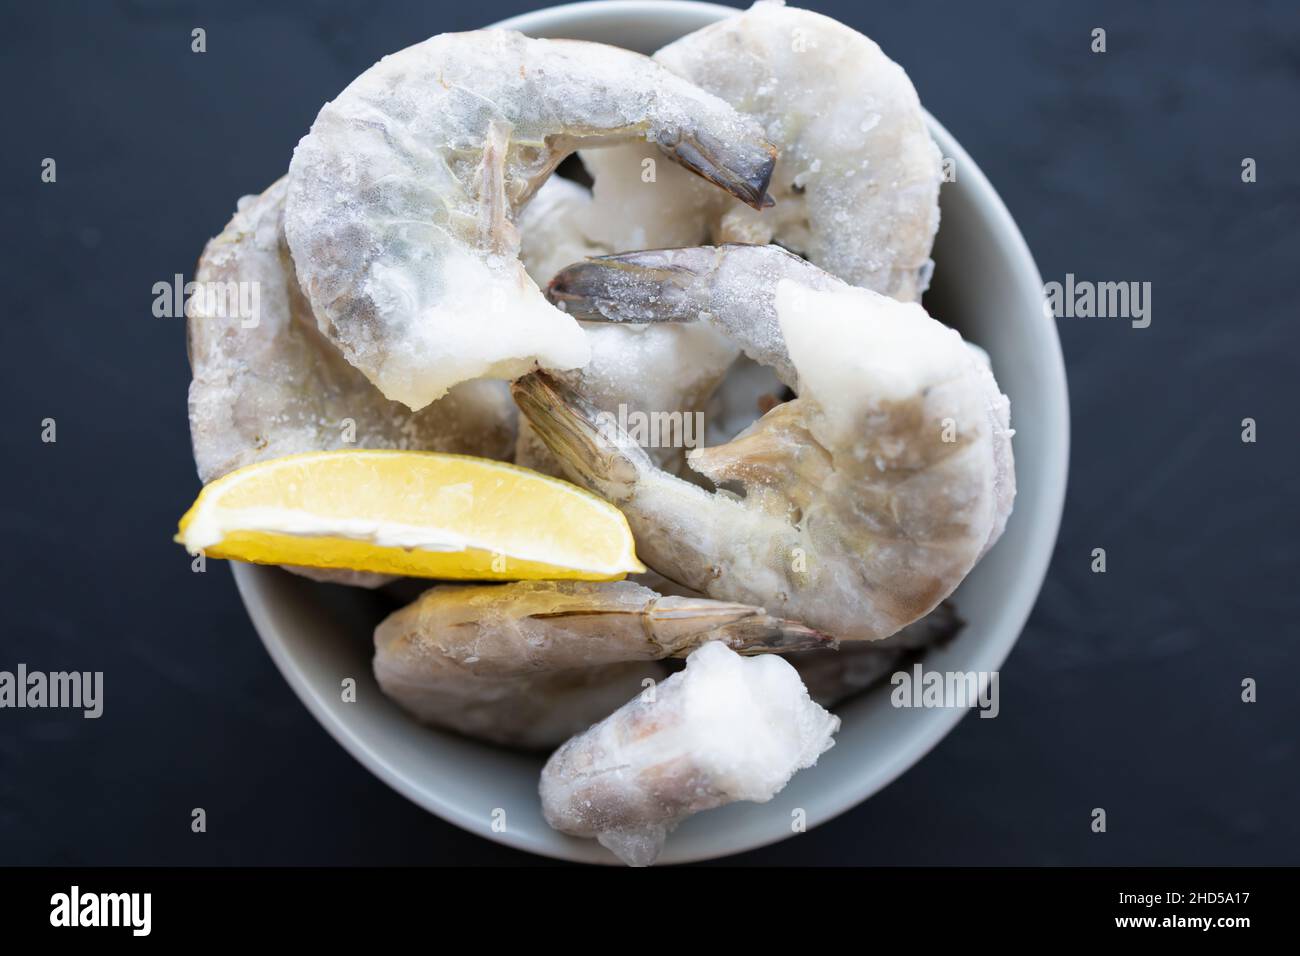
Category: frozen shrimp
[724,729]
[403,196]
[857,178]
[269,384]
[529,664]
[855,507]
[857,184]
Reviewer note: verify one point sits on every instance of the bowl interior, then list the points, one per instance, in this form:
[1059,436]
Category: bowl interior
[987,286]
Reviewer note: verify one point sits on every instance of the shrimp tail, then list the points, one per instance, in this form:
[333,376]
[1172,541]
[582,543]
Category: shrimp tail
[682,285]
[743,169]
[587,441]
[731,287]
[764,634]
[684,624]
[656,285]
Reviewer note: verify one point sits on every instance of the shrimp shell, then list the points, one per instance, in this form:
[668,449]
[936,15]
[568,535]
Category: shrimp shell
[270,385]
[863,502]
[530,663]
[402,197]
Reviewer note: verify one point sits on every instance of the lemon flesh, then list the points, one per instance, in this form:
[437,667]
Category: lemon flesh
[420,514]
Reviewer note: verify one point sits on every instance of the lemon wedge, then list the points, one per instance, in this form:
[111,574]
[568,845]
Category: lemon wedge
[421,514]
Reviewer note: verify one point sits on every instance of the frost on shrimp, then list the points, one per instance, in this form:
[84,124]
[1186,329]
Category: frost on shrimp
[724,729]
[529,664]
[857,177]
[866,500]
[277,387]
[403,195]
[664,373]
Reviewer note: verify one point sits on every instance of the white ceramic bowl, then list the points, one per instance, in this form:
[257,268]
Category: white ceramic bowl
[987,286]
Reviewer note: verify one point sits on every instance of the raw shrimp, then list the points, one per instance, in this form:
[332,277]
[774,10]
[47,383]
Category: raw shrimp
[857,177]
[866,499]
[857,181]
[403,194]
[660,375]
[530,663]
[276,387]
[722,730]
[269,384]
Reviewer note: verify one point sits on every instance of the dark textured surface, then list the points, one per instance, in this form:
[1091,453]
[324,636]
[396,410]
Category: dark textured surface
[1123,691]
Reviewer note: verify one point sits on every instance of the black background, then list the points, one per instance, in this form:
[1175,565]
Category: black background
[1124,689]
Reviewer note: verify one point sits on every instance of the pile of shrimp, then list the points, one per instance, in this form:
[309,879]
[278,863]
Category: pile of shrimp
[752,248]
